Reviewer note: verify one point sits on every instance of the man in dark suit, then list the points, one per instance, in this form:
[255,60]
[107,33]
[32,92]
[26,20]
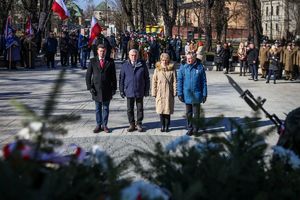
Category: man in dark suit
[134,84]
[101,81]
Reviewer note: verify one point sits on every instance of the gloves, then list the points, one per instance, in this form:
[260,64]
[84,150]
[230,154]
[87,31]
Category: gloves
[122,95]
[93,91]
[113,92]
[204,99]
[181,98]
[146,94]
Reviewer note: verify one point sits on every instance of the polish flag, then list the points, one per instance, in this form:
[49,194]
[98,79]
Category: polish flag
[60,8]
[28,30]
[95,30]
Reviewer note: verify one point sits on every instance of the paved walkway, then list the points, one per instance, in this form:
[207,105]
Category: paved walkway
[32,87]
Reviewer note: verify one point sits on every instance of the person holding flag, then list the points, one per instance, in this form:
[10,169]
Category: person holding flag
[29,45]
[12,45]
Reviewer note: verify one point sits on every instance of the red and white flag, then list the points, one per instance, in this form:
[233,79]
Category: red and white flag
[28,30]
[60,8]
[95,30]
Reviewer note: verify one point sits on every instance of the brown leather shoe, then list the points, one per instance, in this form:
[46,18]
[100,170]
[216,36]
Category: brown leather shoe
[139,128]
[131,128]
[98,129]
[106,130]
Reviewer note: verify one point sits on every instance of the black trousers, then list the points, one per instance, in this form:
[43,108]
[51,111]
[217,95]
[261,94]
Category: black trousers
[64,58]
[130,110]
[50,59]
[124,53]
[165,120]
[73,59]
[192,112]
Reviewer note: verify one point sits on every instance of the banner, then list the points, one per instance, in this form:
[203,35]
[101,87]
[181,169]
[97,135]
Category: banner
[9,38]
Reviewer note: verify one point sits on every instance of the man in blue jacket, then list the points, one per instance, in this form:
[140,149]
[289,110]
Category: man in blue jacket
[192,89]
[134,84]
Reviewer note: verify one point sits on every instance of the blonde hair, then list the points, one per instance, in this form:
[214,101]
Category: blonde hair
[241,48]
[166,56]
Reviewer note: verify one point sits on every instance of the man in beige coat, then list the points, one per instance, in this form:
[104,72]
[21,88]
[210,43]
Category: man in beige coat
[164,90]
[288,61]
[263,59]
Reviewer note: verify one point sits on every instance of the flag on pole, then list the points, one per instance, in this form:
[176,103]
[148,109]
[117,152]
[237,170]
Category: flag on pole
[95,30]
[9,39]
[28,28]
[60,8]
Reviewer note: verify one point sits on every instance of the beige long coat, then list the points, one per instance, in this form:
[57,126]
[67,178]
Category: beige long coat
[288,60]
[263,57]
[164,88]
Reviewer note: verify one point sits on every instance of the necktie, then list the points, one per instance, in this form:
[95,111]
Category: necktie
[102,63]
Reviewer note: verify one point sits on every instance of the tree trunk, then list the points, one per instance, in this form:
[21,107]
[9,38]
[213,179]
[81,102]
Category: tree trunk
[169,13]
[141,14]
[207,24]
[255,16]
[5,7]
[127,8]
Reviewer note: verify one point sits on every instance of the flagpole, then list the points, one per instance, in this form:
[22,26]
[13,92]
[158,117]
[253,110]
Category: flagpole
[30,52]
[9,58]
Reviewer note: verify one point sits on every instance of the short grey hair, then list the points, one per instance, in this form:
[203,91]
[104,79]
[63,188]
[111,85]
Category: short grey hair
[133,50]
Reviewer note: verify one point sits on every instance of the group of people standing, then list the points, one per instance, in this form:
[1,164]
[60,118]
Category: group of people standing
[134,83]
[273,59]
[150,47]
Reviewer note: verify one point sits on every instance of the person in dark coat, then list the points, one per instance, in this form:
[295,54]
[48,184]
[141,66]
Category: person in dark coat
[64,49]
[30,51]
[101,81]
[154,52]
[273,58]
[51,48]
[252,59]
[73,49]
[134,84]
[218,57]
[226,55]
[123,45]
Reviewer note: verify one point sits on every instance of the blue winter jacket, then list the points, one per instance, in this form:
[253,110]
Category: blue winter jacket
[191,83]
[134,81]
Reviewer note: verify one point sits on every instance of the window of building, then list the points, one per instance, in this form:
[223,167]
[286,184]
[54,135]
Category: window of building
[277,10]
[266,27]
[267,10]
[276,26]
[271,10]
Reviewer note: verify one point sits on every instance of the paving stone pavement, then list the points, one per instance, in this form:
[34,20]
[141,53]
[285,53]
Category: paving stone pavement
[32,87]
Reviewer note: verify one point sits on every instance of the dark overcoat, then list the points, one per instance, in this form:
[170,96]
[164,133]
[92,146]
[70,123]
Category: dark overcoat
[103,80]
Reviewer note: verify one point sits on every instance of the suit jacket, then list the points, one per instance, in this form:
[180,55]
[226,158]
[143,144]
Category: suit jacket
[103,80]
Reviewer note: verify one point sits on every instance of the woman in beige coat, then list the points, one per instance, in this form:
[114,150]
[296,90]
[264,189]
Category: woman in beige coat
[164,90]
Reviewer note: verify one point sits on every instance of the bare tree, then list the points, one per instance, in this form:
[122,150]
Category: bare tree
[127,8]
[255,20]
[220,17]
[5,7]
[169,13]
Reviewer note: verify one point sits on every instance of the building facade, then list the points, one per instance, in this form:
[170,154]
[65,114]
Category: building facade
[190,22]
[279,18]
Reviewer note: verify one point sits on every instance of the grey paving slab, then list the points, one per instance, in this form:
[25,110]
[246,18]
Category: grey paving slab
[32,87]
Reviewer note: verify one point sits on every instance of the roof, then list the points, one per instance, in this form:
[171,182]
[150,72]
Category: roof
[101,6]
[77,10]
